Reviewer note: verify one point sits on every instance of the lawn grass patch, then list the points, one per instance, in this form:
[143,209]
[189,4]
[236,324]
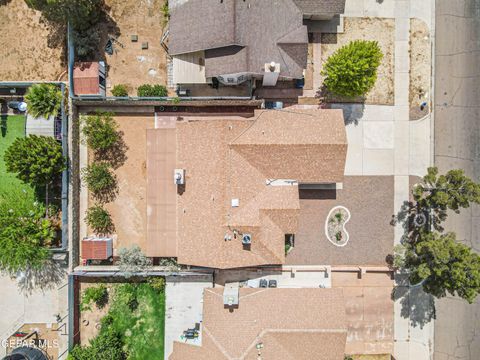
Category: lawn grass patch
[140,323]
[12,127]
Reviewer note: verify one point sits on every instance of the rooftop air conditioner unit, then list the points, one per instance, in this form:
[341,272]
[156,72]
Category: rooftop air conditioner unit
[179,176]
[246,239]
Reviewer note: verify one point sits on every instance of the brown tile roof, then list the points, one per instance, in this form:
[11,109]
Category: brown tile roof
[298,145]
[161,193]
[258,27]
[232,159]
[293,324]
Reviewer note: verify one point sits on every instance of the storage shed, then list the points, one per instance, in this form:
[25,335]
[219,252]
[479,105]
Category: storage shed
[89,79]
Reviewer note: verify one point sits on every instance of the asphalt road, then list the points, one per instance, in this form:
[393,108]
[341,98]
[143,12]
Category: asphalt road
[457,145]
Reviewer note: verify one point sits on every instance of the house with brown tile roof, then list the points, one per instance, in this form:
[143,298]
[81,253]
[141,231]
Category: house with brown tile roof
[276,324]
[241,182]
[236,40]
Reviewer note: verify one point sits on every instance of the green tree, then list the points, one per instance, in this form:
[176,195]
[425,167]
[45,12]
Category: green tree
[81,13]
[100,131]
[352,70]
[441,265]
[44,100]
[37,160]
[99,220]
[451,191]
[25,234]
[100,181]
[147,90]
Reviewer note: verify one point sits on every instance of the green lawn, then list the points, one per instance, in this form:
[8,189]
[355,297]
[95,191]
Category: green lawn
[12,127]
[143,329]
[132,329]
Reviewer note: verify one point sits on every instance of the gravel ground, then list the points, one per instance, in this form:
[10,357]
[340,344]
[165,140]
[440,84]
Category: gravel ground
[420,68]
[378,29]
[370,201]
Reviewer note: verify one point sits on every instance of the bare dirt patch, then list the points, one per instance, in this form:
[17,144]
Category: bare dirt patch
[128,209]
[420,69]
[377,29]
[27,49]
[90,319]
[130,64]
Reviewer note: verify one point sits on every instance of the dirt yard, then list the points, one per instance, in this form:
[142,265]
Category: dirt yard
[378,29]
[90,319]
[420,68]
[25,52]
[130,64]
[128,209]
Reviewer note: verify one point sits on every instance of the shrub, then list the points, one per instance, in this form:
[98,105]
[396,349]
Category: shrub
[99,179]
[95,294]
[99,220]
[37,160]
[100,131]
[108,345]
[133,261]
[352,70]
[148,90]
[43,100]
[157,283]
[120,90]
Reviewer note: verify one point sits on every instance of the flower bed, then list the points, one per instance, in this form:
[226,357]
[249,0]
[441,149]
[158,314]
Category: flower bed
[335,225]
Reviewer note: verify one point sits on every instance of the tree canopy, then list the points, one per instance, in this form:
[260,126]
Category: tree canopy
[44,100]
[24,234]
[443,266]
[451,191]
[352,70]
[37,160]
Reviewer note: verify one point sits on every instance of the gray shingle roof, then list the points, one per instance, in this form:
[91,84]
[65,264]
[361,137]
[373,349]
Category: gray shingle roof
[321,7]
[224,28]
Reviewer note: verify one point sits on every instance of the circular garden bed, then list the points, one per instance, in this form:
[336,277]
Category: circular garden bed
[335,225]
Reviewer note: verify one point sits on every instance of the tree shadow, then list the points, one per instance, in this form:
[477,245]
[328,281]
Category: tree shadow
[99,29]
[116,155]
[4,2]
[353,108]
[47,277]
[417,305]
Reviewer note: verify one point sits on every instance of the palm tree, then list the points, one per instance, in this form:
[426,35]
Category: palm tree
[44,100]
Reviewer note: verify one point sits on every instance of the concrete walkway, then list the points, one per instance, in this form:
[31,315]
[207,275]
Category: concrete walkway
[382,141]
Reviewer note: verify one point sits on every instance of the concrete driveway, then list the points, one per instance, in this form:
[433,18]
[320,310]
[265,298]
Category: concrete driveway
[17,309]
[184,307]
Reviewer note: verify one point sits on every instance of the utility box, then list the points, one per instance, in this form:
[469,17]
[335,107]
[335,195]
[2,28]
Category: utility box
[97,248]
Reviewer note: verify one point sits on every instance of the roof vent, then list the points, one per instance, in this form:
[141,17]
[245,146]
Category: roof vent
[246,239]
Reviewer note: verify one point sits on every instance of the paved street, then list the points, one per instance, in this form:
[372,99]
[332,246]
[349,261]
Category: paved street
[457,135]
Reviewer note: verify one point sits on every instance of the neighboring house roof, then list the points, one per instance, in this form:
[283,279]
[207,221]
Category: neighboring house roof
[235,158]
[322,7]
[290,324]
[241,37]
